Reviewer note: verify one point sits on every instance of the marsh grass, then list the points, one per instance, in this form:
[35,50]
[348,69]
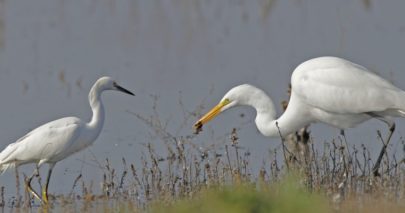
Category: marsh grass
[186,177]
[248,197]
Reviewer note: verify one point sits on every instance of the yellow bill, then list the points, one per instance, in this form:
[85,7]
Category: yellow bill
[210,115]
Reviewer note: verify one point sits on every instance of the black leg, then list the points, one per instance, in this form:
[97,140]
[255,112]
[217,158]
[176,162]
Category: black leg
[342,132]
[45,189]
[383,150]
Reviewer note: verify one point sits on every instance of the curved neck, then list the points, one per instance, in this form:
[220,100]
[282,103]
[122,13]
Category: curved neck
[266,121]
[97,119]
[271,127]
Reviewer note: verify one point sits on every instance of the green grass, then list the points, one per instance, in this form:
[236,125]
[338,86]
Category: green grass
[287,197]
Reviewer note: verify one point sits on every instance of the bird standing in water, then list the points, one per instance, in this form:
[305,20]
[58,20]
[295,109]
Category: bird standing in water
[58,139]
[330,90]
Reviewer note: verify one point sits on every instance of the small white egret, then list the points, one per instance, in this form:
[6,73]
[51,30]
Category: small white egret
[56,140]
[330,90]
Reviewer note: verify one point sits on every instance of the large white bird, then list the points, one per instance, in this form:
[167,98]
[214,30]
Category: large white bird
[330,90]
[56,140]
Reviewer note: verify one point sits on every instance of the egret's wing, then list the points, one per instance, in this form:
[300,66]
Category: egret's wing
[339,86]
[44,142]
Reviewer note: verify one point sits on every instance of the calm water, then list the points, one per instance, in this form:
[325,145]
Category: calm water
[52,51]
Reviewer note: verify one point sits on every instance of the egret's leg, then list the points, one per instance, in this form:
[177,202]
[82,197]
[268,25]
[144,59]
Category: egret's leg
[28,183]
[45,189]
[383,150]
[342,133]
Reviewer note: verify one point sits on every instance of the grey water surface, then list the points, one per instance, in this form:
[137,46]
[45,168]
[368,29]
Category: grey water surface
[52,51]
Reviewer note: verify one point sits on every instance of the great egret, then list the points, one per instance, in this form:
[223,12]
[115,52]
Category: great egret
[330,90]
[58,139]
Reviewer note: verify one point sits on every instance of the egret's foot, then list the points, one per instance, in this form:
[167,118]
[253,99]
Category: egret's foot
[44,197]
[32,191]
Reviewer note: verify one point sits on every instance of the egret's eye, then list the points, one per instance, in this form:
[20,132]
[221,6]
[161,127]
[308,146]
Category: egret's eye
[226,101]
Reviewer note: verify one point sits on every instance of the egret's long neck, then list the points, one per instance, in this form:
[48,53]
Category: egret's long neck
[266,120]
[97,119]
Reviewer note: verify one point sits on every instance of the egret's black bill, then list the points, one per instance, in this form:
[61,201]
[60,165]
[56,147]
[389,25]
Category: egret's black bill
[124,90]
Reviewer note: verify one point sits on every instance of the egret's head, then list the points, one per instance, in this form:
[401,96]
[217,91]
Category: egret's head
[239,95]
[107,83]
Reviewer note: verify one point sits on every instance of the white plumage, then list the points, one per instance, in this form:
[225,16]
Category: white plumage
[60,136]
[56,140]
[330,90]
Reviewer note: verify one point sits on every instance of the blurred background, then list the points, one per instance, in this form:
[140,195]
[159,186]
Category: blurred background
[176,56]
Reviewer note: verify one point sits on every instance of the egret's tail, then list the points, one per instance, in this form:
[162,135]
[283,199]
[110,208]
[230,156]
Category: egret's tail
[399,108]
[402,113]
[6,158]
[4,167]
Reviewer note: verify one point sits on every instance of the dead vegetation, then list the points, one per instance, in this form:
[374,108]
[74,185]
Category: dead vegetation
[340,172]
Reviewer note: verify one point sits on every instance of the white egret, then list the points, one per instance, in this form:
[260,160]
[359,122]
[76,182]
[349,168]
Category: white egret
[326,89]
[56,140]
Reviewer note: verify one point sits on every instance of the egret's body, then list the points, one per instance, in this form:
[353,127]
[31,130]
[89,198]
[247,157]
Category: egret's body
[56,140]
[327,89]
